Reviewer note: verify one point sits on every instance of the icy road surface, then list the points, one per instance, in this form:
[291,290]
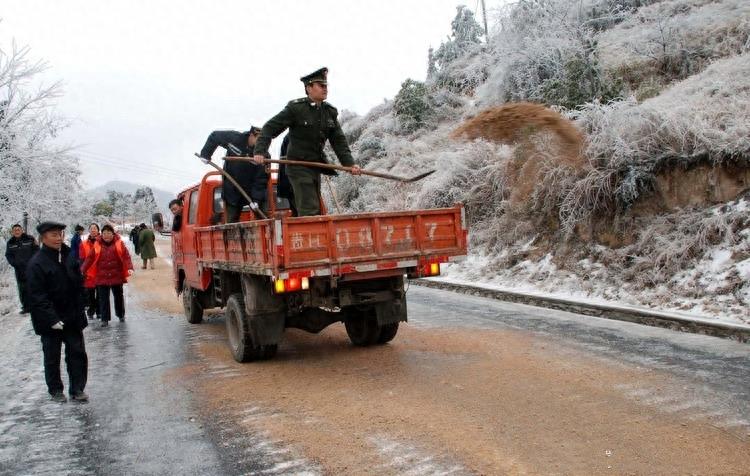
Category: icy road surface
[469,386]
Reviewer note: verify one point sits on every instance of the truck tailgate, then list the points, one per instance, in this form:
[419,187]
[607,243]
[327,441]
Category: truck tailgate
[334,244]
[327,240]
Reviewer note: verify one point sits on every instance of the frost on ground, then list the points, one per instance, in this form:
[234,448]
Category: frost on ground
[9,303]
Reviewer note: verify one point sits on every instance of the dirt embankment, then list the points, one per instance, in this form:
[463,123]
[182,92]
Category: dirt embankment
[486,402]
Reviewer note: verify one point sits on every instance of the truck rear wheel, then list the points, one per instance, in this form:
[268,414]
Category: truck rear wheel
[387,332]
[240,336]
[191,305]
[362,327]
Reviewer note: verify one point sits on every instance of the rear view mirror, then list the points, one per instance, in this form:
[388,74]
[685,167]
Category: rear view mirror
[157,221]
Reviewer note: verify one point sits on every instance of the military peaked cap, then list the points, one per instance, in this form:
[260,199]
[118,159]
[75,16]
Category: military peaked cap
[319,76]
[252,130]
[49,225]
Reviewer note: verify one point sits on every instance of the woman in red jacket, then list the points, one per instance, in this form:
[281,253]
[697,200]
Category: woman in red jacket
[113,266]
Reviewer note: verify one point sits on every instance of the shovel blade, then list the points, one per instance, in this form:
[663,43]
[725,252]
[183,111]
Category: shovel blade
[419,177]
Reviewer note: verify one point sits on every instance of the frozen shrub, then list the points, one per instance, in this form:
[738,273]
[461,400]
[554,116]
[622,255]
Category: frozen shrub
[411,105]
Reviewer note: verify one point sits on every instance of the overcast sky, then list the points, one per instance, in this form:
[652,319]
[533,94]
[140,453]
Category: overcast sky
[146,81]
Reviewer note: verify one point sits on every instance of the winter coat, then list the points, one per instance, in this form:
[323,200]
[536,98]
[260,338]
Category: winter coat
[75,246]
[87,247]
[146,239]
[251,177]
[54,289]
[112,262]
[134,238]
[310,126]
[20,250]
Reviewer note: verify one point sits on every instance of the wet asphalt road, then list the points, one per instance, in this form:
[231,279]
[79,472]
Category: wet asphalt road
[141,420]
[137,421]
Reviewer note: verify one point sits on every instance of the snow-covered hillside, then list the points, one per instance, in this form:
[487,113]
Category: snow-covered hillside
[656,211]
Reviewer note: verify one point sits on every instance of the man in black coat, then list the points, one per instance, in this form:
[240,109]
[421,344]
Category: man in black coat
[250,176]
[54,285]
[19,250]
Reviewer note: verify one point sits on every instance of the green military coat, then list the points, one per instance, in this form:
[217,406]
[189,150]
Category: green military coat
[146,240]
[310,126]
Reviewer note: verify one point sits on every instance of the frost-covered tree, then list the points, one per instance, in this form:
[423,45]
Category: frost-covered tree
[144,204]
[546,52]
[36,176]
[447,67]
[411,105]
[466,34]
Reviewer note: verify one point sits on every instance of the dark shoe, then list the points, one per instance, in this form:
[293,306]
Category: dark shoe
[79,397]
[58,397]
[122,319]
[105,323]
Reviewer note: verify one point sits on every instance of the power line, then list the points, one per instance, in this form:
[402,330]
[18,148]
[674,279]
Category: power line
[136,164]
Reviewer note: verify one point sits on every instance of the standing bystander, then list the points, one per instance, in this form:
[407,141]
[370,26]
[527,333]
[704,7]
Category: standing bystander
[113,266]
[75,242]
[57,314]
[19,250]
[147,239]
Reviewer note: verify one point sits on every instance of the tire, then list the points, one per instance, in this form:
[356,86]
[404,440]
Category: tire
[387,332]
[191,305]
[362,327]
[240,336]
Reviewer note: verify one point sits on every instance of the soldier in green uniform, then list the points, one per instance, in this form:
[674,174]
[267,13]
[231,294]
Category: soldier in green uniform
[311,122]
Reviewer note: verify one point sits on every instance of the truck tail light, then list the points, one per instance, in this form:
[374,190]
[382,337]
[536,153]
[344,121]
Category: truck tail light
[431,269]
[281,286]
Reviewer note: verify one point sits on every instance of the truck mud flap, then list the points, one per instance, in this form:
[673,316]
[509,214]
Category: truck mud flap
[265,311]
[389,312]
[266,328]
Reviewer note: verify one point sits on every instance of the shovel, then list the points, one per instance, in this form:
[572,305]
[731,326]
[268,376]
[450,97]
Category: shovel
[318,165]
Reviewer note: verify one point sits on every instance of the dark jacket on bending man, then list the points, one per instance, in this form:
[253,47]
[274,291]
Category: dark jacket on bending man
[251,177]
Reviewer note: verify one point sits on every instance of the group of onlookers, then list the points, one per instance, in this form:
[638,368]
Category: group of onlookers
[59,285]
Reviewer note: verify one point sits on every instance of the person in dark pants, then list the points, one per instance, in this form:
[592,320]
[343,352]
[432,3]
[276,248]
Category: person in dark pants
[311,122]
[134,239]
[75,242]
[113,266]
[89,282]
[251,177]
[19,250]
[57,315]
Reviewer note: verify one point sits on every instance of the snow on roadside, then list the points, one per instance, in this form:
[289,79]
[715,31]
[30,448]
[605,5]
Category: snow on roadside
[716,286]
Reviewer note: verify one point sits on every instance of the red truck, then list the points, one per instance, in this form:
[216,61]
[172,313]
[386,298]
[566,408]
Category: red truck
[305,272]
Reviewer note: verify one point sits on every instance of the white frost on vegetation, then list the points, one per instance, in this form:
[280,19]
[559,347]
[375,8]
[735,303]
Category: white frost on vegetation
[708,113]
[707,28]
[593,61]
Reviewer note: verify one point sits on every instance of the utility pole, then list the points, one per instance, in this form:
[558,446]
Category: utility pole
[484,16]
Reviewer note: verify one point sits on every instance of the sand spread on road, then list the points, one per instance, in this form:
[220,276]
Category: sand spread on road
[483,401]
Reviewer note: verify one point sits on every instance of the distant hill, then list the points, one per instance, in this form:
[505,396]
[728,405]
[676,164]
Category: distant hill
[162,197]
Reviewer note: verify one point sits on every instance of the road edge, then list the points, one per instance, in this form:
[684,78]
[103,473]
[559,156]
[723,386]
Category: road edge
[737,332]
